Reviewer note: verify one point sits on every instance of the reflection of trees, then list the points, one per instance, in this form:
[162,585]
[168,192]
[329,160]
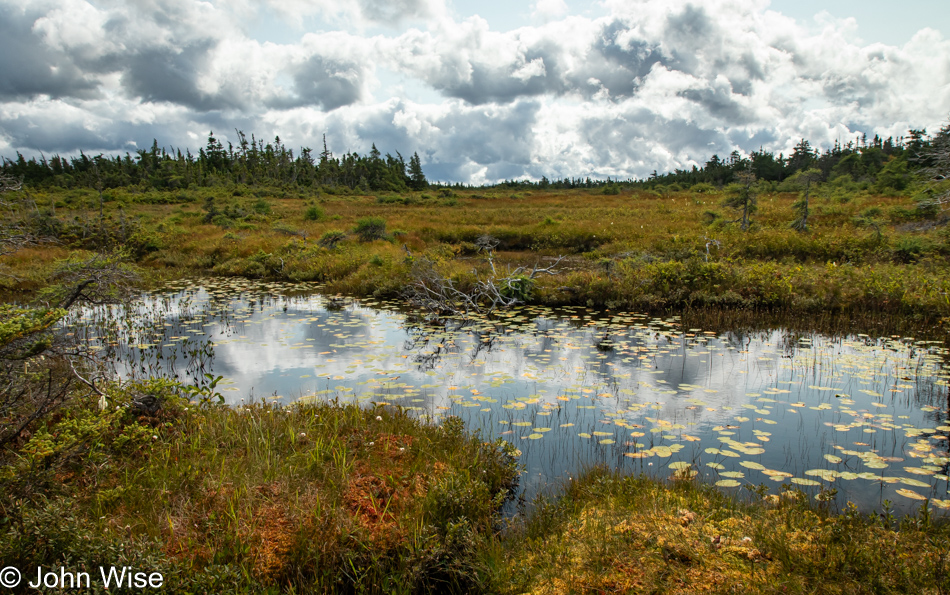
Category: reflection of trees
[420,331]
[603,343]
[740,339]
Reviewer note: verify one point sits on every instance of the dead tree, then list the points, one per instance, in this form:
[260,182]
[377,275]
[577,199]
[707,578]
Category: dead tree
[742,198]
[935,159]
[433,291]
[801,206]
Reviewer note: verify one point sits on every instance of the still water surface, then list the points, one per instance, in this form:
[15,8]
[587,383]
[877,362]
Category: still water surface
[570,388]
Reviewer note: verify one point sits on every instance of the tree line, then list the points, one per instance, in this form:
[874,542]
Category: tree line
[889,164]
[250,161]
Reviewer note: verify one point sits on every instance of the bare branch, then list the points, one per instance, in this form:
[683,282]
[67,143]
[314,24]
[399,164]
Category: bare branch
[935,159]
[83,380]
[432,291]
[9,183]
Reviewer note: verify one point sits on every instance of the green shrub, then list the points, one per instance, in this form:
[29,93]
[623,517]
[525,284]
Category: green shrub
[314,213]
[518,287]
[396,200]
[261,206]
[285,229]
[710,217]
[223,221]
[910,248]
[899,214]
[331,238]
[370,228]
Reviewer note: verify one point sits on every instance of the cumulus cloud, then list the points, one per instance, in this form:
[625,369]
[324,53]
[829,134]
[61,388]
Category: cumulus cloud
[358,14]
[32,67]
[652,84]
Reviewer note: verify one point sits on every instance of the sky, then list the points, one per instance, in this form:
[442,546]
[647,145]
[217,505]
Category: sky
[482,91]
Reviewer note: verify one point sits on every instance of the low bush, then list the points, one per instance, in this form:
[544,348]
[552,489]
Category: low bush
[314,213]
[370,228]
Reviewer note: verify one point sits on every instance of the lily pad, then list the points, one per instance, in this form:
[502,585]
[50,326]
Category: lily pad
[910,494]
[826,474]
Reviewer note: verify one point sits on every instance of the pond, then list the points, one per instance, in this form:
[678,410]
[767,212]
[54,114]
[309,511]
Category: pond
[863,416]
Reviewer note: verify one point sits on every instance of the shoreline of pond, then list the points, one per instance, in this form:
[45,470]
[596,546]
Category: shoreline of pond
[345,339]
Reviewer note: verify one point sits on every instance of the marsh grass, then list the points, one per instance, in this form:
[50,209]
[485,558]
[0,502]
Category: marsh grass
[610,533]
[640,250]
[315,498]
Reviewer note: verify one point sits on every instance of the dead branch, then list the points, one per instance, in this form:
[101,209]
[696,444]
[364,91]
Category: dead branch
[9,183]
[935,159]
[430,290]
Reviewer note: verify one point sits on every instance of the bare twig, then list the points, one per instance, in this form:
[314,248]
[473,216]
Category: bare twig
[79,377]
[9,183]
[709,243]
[935,159]
[432,291]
